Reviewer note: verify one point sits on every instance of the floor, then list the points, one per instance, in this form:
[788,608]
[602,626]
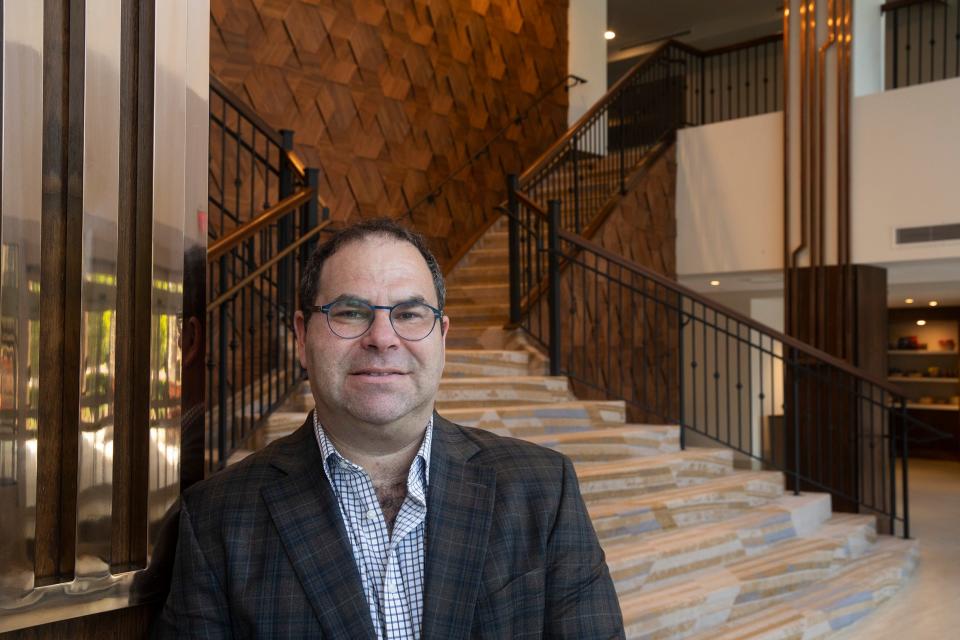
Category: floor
[929,605]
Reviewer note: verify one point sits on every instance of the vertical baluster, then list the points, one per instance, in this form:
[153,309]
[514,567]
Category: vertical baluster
[691,320]
[905,463]
[553,290]
[726,379]
[909,35]
[760,395]
[796,427]
[681,371]
[945,41]
[895,73]
[223,164]
[956,51]
[920,46]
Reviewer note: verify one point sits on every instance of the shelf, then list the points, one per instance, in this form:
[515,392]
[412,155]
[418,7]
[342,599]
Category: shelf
[923,379]
[933,407]
[921,352]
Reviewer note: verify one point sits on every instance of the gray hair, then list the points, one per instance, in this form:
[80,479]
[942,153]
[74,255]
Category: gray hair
[310,282]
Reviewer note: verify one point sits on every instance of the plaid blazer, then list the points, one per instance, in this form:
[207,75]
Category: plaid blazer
[510,550]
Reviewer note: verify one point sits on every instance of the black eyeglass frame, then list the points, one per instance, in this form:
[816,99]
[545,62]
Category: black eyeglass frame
[325,310]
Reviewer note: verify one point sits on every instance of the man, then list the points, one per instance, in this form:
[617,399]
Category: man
[378,518]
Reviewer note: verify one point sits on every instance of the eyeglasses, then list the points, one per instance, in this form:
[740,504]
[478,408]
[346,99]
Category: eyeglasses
[412,321]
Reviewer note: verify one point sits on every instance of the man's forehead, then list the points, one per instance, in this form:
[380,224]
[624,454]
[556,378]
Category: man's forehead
[377,260]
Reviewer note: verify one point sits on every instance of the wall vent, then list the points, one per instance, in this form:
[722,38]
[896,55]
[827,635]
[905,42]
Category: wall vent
[935,233]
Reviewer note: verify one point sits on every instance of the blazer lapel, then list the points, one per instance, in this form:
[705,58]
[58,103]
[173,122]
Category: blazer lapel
[459,511]
[305,512]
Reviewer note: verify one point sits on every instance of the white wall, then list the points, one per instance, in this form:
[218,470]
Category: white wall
[905,154]
[586,22]
[730,196]
[905,169]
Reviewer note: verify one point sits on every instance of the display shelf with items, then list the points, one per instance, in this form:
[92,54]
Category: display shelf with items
[923,360]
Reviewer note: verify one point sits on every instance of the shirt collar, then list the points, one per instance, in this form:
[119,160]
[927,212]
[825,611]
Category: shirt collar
[419,469]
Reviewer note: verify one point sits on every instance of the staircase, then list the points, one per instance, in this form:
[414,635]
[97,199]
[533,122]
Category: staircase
[697,546]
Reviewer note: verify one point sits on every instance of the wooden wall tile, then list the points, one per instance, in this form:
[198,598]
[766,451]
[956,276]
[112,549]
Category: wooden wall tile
[387,96]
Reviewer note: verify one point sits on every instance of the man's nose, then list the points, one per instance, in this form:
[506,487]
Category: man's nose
[381,334]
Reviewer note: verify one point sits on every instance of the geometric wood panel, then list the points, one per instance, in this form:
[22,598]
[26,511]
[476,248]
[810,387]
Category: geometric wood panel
[388,97]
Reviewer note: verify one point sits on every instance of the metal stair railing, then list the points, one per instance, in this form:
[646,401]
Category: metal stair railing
[922,41]
[265,219]
[620,330]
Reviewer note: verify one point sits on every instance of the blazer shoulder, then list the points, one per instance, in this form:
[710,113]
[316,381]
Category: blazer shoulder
[510,455]
[242,480]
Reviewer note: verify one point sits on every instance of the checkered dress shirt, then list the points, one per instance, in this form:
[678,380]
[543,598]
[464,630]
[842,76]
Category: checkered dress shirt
[391,567]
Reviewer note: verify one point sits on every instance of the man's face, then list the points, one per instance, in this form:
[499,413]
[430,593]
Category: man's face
[378,378]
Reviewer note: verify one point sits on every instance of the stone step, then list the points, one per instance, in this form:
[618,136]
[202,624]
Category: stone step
[703,600]
[487,256]
[482,337]
[490,274]
[625,479]
[712,501]
[495,239]
[464,393]
[491,362]
[498,292]
[525,420]
[601,445]
[638,562]
[489,313]
[831,604]
[459,393]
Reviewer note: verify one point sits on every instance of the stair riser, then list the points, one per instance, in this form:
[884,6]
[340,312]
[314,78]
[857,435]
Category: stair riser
[471,369]
[642,477]
[490,315]
[480,275]
[479,294]
[715,507]
[527,421]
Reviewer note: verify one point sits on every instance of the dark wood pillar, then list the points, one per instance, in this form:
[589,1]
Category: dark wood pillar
[833,434]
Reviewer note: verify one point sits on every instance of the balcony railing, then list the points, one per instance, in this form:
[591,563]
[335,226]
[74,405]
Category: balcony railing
[922,41]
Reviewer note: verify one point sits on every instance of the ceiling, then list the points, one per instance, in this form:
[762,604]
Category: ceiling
[703,23]
[923,281]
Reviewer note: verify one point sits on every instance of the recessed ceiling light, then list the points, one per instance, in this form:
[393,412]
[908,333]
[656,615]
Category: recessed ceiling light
[909,300]
[714,283]
[609,35]
[933,303]
[920,323]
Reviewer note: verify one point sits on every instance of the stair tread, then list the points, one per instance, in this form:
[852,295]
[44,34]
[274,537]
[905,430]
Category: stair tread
[743,585]
[829,604]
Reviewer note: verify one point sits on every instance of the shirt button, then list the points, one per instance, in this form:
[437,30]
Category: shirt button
[371,514]
[391,586]
[344,465]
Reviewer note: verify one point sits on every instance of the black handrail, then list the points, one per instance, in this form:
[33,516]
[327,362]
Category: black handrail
[922,41]
[265,218]
[620,330]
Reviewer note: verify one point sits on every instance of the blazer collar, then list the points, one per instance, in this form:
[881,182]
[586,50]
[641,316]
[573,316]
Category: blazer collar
[305,512]
[460,500]
[459,511]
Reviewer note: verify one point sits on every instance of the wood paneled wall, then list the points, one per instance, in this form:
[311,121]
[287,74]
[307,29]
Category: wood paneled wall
[388,97]
[642,228]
